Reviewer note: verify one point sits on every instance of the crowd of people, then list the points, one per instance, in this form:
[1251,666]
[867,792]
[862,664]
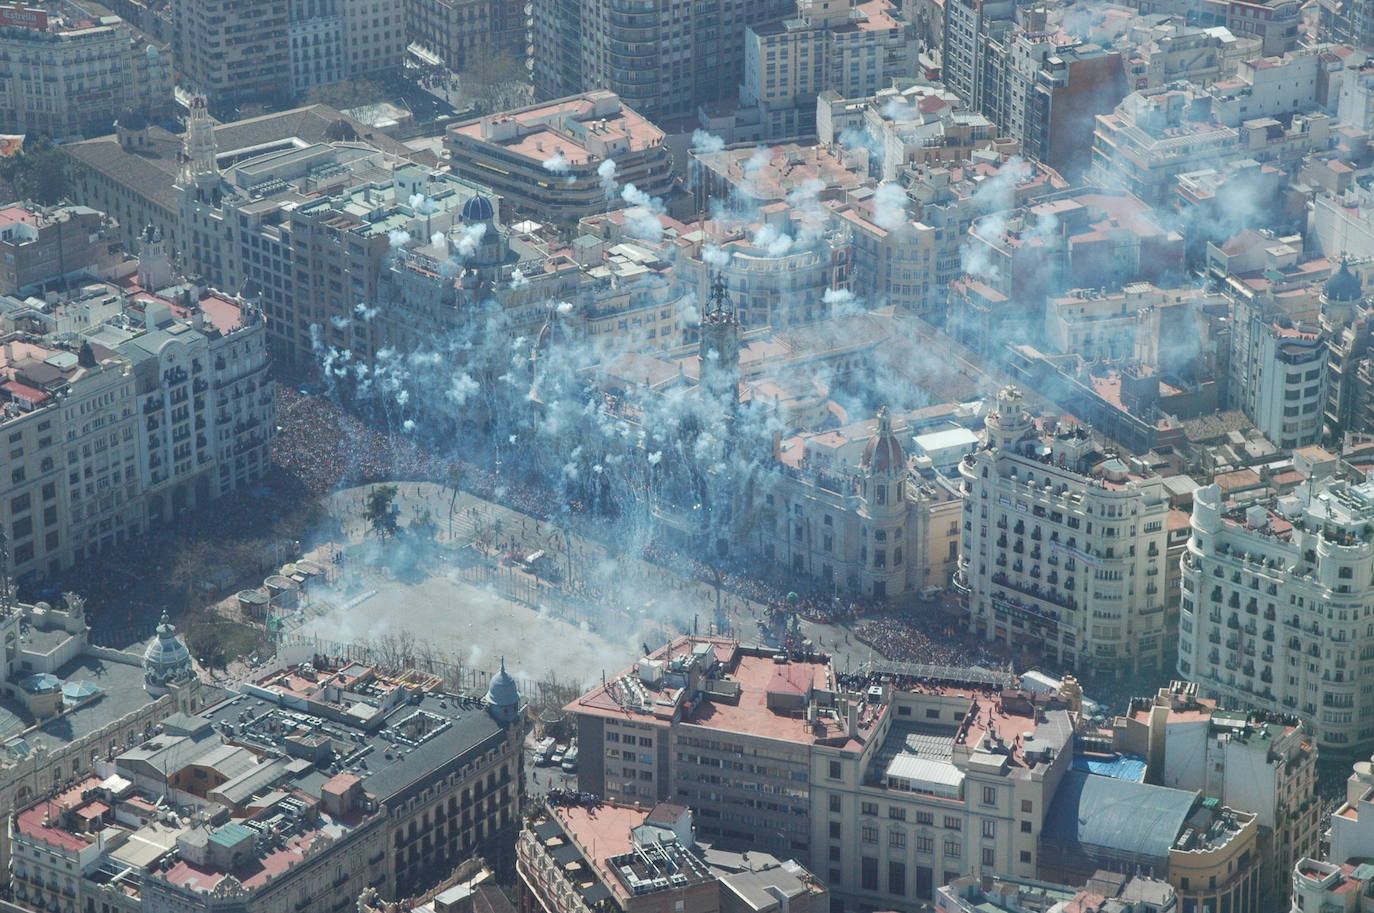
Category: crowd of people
[929,638]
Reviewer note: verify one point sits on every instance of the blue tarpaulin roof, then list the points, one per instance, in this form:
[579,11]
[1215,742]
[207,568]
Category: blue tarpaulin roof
[1122,766]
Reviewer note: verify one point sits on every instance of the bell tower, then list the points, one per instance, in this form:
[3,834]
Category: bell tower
[719,347]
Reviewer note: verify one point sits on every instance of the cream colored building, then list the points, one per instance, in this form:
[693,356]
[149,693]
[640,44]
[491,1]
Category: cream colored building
[824,45]
[1275,596]
[849,513]
[887,787]
[1064,547]
[76,74]
[147,416]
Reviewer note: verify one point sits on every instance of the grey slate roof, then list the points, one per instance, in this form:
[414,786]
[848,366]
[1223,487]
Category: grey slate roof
[151,172]
[1120,816]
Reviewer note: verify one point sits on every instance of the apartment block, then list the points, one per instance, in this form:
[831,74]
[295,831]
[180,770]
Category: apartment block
[1273,595]
[548,161]
[49,244]
[1259,761]
[575,857]
[287,797]
[160,404]
[1064,548]
[843,46]
[67,71]
[891,784]
[1206,851]
[1105,890]
[460,32]
[663,58]
[78,698]
[235,50]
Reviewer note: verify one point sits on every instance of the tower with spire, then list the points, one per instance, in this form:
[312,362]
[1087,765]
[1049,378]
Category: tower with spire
[1009,423]
[200,161]
[719,347]
[154,263]
[883,500]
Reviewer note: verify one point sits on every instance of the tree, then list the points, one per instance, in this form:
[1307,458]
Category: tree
[454,481]
[352,93]
[85,357]
[41,171]
[496,80]
[380,512]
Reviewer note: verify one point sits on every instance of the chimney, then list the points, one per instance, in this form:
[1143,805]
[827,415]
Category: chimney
[853,728]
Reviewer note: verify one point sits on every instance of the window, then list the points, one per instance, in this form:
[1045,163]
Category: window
[870,834]
[953,824]
[1025,856]
[896,813]
[990,830]
[868,873]
[925,843]
[989,857]
[896,878]
[869,808]
[834,830]
[896,839]
[1025,827]
[834,803]
[834,770]
[925,818]
[834,854]
[989,795]
[1027,806]
[953,849]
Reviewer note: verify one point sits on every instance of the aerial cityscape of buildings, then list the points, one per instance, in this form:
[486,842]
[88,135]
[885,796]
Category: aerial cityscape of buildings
[687,456]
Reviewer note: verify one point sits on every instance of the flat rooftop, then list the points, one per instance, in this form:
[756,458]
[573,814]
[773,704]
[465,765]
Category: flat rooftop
[736,683]
[417,737]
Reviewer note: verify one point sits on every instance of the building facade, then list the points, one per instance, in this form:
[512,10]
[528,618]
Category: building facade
[462,32]
[1063,548]
[162,403]
[851,48]
[67,73]
[1273,594]
[548,161]
[235,50]
[664,58]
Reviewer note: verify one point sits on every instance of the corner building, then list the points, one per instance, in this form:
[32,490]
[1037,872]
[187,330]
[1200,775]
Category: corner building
[1276,606]
[1064,548]
[887,784]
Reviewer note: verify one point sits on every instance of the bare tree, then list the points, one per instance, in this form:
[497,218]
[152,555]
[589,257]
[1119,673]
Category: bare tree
[495,80]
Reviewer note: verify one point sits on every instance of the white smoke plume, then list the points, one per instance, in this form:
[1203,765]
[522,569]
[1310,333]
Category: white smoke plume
[642,219]
[889,206]
[706,143]
[606,171]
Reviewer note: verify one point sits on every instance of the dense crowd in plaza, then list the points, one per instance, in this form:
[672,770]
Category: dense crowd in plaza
[927,638]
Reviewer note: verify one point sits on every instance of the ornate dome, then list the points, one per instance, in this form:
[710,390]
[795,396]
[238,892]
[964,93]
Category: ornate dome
[884,452]
[166,660]
[1343,285]
[478,209]
[503,695]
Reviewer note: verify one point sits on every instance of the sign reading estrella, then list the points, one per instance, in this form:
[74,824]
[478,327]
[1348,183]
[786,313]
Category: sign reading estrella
[23,18]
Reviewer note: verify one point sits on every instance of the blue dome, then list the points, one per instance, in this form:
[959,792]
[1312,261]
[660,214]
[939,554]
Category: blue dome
[1343,286]
[503,696]
[478,209]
